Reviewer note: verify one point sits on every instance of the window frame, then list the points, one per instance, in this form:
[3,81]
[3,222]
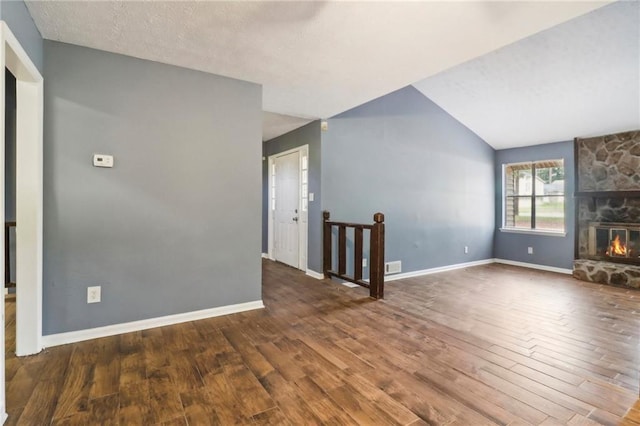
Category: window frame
[532,196]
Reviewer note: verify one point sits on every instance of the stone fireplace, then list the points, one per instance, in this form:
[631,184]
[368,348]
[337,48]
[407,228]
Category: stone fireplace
[608,209]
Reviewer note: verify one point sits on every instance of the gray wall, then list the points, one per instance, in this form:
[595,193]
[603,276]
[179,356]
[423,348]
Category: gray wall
[18,18]
[432,177]
[547,250]
[306,135]
[175,226]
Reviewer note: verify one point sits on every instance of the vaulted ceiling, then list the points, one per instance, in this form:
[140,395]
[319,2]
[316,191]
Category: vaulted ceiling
[581,78]
[316,59]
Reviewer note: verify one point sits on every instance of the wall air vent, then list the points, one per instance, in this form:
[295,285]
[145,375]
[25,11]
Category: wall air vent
[393,267]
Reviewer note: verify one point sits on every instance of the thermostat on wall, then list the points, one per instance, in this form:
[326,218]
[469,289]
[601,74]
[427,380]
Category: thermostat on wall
[102,160]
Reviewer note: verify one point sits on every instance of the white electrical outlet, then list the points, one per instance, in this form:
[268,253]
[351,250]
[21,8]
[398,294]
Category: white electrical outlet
[530,250]
[466,249]
[364,262]
[93,294]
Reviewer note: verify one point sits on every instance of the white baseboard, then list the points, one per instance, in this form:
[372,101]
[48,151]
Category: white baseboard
[3,417]
[422,272]
[265,255]
[534,266]
[320,276]
[127,327]
[314,274]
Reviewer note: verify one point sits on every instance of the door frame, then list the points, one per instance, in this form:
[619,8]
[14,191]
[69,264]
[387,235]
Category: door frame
[29,199]
[303,223]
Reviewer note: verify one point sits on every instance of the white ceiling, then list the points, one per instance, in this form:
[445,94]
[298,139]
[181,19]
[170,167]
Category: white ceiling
[581,78]
[314,59]
[274,125]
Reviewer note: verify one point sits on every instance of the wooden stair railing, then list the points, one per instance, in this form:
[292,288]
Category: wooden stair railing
[7,255]
[376,252]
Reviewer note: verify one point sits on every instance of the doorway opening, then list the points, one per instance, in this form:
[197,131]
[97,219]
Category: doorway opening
[10,210]
[10,180]
[289,207]
[28,199]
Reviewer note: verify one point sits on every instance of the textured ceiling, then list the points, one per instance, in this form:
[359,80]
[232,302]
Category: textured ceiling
[274,125]
[314,59]
[581,78]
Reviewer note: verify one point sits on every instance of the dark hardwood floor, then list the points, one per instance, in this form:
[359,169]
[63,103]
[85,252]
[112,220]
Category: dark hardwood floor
[486,345]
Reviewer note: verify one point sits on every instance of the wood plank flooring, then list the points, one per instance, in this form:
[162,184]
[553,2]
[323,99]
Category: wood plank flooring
[486,345]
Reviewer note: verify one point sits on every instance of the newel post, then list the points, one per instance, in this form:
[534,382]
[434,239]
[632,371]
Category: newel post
[376,278]
[326,243]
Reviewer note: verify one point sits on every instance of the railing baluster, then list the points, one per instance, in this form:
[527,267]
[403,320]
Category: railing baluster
[342,249]
[7,254]
[357,253]
[376,276]
[326,244]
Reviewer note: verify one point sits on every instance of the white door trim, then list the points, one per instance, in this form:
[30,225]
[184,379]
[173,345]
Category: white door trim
[29,136]
[304,215]
[29,130]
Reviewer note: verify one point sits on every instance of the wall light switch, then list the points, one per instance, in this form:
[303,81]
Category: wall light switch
[530,250]
[311,196]
[102,160]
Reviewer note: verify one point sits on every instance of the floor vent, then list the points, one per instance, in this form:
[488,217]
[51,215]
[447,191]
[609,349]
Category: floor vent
[393,267]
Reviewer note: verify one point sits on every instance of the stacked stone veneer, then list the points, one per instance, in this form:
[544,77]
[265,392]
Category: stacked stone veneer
[607,273]
[607,163]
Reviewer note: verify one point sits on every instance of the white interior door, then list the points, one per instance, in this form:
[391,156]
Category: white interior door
[287,207]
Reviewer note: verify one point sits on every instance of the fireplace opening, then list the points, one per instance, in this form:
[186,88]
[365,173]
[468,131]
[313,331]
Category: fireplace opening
[615,242]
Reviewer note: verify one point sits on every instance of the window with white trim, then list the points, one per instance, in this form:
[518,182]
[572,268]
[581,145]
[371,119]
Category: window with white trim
[533,196]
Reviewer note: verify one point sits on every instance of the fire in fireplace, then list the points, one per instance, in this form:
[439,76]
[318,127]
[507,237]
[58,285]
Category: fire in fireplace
[615,242]
[617,248]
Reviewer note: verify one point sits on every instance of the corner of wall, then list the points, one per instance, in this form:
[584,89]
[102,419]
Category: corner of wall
[18,17]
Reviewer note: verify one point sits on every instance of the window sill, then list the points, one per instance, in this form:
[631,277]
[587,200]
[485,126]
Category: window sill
[534,232]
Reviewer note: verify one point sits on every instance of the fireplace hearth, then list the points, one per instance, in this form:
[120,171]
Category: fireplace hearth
[610,273]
